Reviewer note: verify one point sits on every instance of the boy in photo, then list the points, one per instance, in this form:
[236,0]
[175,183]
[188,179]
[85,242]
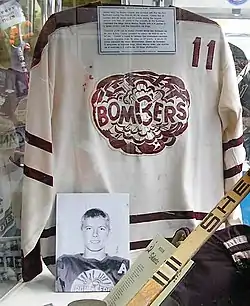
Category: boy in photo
[94,269]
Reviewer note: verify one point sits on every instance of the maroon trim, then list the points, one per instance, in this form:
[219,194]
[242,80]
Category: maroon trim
[74,16]
[88,13]
[38,176]
[38,142]
[185,15]
[229,173]
[168,215]
[233,143]
[32,264]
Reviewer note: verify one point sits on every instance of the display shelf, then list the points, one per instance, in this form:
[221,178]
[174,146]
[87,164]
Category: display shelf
[40,292]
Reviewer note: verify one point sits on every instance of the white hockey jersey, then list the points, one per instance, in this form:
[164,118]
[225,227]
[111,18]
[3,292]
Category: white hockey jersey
[167,129]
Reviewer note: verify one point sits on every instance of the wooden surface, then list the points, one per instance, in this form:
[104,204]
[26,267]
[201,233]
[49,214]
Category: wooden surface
[147,294]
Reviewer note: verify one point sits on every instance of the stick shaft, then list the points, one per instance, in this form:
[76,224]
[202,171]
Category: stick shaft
[147,294]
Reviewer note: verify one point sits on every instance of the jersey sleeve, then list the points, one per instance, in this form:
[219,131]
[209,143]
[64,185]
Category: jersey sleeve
[230,111]
[38,195]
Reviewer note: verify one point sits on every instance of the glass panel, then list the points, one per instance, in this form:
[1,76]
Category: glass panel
[132,112]
[19,29]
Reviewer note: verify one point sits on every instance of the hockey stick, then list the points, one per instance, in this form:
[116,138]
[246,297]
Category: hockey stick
[191,245]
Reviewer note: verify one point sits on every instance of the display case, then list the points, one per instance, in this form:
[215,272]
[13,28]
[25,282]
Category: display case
[21,48]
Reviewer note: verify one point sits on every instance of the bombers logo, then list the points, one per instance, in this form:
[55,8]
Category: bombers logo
[141,112]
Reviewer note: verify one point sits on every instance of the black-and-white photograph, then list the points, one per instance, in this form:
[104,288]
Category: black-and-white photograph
[92,242]
[10,263]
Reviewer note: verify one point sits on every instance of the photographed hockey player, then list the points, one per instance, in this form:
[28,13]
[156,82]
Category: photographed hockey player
[94,268]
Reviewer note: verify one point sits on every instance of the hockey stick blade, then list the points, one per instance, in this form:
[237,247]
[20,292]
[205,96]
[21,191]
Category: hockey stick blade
[191,245]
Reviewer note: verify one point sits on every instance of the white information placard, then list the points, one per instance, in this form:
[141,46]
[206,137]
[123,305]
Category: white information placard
[136,30]
[11,13]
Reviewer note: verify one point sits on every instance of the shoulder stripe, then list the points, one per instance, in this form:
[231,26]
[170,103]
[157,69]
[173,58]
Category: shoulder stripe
[185,15]
[70,17]
[229,173]
[38,142]
[233,143]
[38,176]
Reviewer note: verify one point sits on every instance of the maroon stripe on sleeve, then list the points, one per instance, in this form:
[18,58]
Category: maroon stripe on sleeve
[233,143]
[38,176]
[229,173]
[185,15]
[38,142]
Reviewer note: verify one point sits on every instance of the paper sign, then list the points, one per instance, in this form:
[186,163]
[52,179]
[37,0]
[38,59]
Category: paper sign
[142,269]
[11,13]
[136,30]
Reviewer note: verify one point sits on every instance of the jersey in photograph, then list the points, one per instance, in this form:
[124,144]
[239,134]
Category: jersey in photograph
[76,273]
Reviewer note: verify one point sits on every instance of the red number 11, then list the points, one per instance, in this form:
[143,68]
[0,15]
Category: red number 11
[210,53]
